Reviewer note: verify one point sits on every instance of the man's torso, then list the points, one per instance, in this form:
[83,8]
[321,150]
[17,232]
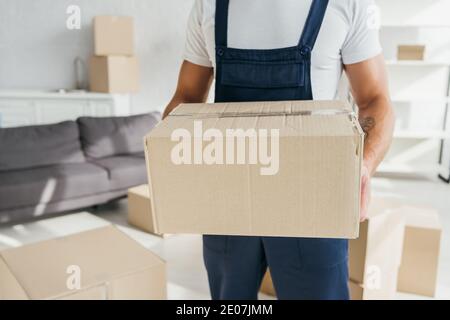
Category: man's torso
[269,24]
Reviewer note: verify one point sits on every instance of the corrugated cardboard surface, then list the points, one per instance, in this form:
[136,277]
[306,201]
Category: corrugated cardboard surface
[114,74]
[9,287]
[96,293]
[420,258]
[139,209]
[314,194]
[114,35]
[107,259]
[358,252]
[374,258]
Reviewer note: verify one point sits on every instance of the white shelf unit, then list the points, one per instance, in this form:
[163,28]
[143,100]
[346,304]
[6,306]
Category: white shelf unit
[403,18]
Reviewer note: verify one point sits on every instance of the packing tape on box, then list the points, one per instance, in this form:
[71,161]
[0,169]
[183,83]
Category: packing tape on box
[323,112]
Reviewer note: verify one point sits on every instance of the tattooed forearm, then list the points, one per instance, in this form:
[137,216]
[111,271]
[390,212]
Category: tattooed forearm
[367,124]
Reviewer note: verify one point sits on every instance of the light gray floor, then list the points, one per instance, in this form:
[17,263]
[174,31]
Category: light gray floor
[183,254]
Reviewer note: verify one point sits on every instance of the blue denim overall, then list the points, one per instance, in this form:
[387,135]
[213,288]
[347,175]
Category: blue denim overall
[301,268]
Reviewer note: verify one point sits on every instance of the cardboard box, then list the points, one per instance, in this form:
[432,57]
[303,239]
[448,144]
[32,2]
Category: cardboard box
[374,258]
[411,52]
[114,35]
[114,74]
[356,290]
[259,169]
[139,209]
[267,285]
[102,263]
[420,258]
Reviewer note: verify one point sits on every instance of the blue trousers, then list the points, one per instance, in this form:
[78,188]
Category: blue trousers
[301,268]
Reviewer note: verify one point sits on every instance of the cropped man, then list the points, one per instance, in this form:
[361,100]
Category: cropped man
[245,45]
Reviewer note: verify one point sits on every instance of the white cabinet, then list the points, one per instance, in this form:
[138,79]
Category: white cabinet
[17,113]
[21,108]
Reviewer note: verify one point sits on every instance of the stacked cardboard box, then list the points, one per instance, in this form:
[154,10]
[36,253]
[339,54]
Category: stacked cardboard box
[98,264]
[114,68]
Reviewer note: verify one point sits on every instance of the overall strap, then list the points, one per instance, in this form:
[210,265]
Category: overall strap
[312,25]
[221,28]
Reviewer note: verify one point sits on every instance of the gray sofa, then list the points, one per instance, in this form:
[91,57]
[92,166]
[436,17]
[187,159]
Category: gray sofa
[70,165]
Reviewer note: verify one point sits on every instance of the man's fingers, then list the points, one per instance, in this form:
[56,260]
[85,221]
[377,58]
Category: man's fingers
[365,195]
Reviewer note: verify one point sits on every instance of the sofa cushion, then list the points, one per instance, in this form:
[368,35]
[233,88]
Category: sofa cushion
[138,155]
[49,184]
[109,136]
[43,145]
[124,171]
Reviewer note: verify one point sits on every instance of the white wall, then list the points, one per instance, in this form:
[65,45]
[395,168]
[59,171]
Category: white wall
[37,50]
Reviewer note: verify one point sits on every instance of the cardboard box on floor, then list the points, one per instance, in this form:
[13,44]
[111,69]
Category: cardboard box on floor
[104,262]
[420,258]
[374,258]
[267,285]
[419,252]
[114,35]
[418,269]
[139,209]
[310,188]
[114,74]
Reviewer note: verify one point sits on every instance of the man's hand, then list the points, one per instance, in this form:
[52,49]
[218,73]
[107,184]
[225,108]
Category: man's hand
[365,192]
[369,87]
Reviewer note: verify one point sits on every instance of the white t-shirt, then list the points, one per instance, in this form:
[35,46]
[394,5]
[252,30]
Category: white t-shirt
[347,34]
